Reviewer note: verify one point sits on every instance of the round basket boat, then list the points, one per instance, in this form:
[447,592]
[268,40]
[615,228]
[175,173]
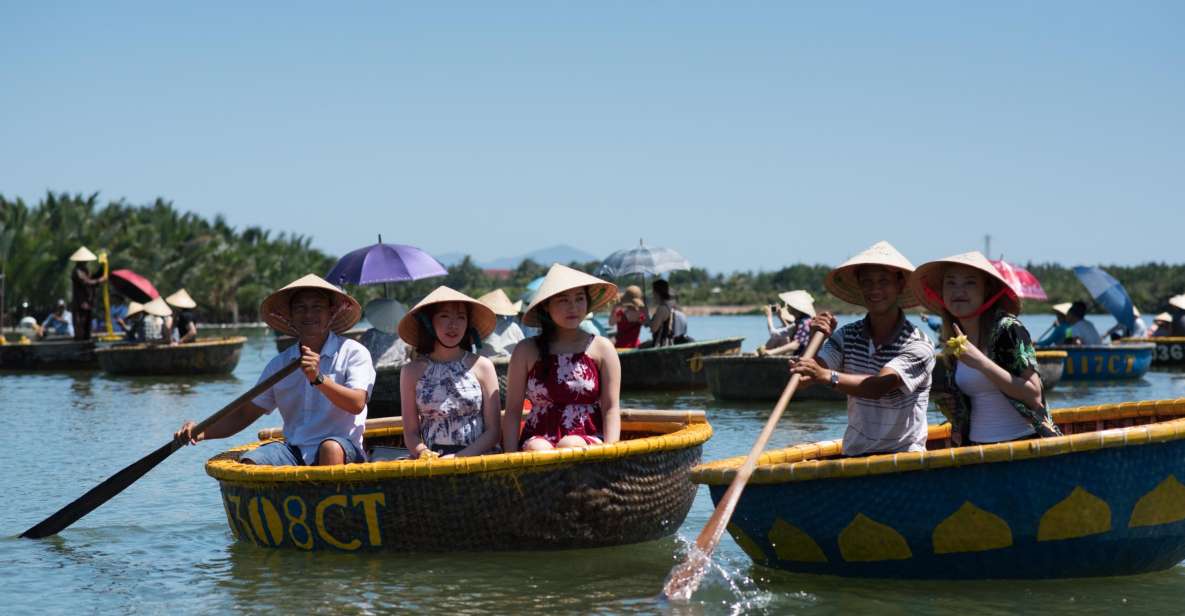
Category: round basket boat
[205,356]
[1105,499]
[1050,366]
[384,396]
[1169,353]
[1107,362]
[631,491]
[678,366]
[48,355]
[758,378]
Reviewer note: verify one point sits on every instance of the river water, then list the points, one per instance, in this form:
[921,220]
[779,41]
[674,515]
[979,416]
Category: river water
[164,546]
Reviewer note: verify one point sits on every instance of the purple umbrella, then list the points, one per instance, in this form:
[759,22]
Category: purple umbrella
[379,263]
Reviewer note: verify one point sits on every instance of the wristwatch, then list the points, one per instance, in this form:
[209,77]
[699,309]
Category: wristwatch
[834,379]
[317,381]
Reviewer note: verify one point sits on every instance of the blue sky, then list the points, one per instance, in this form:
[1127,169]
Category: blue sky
[745,135]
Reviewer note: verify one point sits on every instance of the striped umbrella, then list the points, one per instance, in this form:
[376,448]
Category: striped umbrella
[644,260]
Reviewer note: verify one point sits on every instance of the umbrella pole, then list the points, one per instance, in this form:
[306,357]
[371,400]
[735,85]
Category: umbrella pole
[106,296]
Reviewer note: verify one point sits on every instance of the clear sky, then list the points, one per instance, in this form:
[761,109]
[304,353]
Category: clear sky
[745,135]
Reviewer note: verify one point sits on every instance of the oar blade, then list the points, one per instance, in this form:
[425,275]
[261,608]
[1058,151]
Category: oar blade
[99,494]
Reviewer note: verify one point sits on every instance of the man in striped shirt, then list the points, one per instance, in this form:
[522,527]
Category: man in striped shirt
[882,362]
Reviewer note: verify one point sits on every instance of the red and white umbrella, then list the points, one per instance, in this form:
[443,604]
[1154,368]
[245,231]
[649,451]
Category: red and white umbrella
[1024,283]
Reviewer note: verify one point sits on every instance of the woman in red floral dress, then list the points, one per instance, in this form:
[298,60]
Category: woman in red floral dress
[572,378]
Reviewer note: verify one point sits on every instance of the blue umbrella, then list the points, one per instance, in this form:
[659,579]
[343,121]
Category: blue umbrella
[379,263]
[531,288]
[1108,293]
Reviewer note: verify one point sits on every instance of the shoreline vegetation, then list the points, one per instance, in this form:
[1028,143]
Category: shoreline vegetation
[229,271]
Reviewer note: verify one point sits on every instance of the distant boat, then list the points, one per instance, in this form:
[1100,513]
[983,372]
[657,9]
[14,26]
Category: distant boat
[49,354]
[204,356]
[1103,362]
[1170,350]
[678,366]
[757,378]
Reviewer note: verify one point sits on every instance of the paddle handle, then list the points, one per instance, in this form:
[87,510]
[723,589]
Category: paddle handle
[251,394]
[685,577]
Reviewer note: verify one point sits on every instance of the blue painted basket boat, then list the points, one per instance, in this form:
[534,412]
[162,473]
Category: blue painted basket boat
[1170,350]
[1105,499]
[1107,362]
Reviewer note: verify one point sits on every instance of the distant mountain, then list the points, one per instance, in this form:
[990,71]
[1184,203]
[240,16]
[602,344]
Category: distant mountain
[561,253]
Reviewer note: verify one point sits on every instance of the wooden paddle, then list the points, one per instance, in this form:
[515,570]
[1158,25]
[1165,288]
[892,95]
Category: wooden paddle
[120,481]
[686,576]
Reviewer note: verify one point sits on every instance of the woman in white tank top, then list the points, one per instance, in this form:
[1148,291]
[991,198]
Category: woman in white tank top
[994,392]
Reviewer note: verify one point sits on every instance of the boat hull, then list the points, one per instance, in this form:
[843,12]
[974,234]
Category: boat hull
[49,355]
[755,378]
[678,366]
[632,491]
[1169,353]
[1107,362]
[211,356]
[1099,503]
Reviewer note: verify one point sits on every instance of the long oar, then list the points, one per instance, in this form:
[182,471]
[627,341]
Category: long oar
[685,577]
[120,481]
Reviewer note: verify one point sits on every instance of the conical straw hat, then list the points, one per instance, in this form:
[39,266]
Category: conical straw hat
[134,308]
[481,317]
[1062,308]
[842,283]
[1178,301]
[800,301]
[384,314]
[276,314]
[158,307]
[499,302]
[181,299]
[1164,317]
[82,254]
[926,281]
[562,278]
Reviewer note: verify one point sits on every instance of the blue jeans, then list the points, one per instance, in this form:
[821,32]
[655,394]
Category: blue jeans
[281,453]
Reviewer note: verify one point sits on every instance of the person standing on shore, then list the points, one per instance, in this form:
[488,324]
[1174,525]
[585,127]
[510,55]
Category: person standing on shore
[882,362]
[83,292]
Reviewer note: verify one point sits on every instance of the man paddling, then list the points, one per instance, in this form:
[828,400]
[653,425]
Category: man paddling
[882,362]
[324,403]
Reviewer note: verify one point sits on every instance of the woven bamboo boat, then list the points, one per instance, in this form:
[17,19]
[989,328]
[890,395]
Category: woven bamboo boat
[631,491]
[48,355]
[678,366]
[205,356]
[1107,362]
[1104,499]
[1170,350]
[753,377]
[384,396]
[285,341]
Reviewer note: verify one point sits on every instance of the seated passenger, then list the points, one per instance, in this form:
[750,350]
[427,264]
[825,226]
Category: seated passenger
[572,378]
[449,394]
[1120,331]
[1081,330]
[382,339]
[1059,332]
[59,322]
[995,390]
[1162,326]
[157,321]
[183,328]
[507,333]
[133,322]
[323,404]
[800,309]
[628,316]
[668,324]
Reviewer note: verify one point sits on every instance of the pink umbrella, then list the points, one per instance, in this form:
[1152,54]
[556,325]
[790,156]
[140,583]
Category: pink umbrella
[133,286]
[1024,283]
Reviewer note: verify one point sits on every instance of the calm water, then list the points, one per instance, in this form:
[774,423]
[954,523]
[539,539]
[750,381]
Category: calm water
[163,545]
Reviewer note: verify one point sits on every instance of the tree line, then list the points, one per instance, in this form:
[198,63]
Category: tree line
[229,271]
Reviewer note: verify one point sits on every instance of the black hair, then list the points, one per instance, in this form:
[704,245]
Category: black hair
[547,331]
[1078,309]
[426,342]
[329,297]
[662,289]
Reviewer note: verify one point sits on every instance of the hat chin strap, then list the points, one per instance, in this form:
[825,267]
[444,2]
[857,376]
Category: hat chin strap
[984,307]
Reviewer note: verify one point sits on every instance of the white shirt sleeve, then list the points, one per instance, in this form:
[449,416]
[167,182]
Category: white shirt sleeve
[913,365]
[360,372]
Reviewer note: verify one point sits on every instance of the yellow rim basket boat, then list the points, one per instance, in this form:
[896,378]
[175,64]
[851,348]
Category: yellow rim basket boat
[1105,499]
[205,356]
[635,490]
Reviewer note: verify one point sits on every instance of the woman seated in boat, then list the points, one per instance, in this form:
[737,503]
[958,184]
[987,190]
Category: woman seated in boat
[183,327]
[628,316]
[449,393]
[668,324]
[797,313]
[572,378]
[995,390]
[1162,326]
